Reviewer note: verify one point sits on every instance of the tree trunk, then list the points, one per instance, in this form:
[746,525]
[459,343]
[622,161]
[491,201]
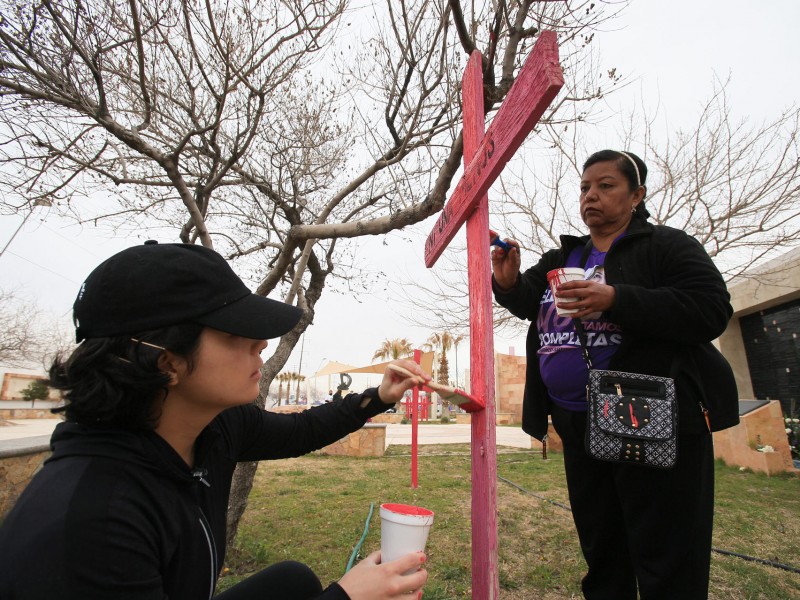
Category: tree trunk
[241,485]
[242,482]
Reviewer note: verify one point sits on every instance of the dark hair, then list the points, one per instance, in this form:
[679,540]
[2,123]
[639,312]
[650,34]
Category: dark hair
[116,381]
[625,167]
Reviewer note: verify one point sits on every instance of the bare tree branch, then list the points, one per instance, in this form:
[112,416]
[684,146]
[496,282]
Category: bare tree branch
[258,126]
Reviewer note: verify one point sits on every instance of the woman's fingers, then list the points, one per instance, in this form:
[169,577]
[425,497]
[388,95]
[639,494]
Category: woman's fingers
[399,376]
[399,579]
[585,296]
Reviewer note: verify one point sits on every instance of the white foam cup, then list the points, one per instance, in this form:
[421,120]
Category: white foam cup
[558,276]
[404,529]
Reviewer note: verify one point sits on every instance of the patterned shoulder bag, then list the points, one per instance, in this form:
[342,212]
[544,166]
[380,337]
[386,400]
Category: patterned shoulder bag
[632,418]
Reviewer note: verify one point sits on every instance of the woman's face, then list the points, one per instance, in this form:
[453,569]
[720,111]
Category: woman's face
[606,198]
[226,371]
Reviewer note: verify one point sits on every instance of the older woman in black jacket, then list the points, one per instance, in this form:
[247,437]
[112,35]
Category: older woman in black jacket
[653,305]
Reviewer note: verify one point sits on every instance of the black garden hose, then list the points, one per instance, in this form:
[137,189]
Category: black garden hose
[762,561]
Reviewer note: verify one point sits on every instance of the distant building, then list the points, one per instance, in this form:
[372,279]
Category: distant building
[14,383]
[762,341]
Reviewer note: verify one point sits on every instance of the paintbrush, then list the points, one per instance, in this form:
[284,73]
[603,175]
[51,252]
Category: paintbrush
[455,395]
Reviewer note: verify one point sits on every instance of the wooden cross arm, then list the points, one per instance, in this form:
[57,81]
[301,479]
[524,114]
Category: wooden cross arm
[536,86]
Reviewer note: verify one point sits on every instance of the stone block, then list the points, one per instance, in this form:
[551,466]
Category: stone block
[16,471]
[370,440]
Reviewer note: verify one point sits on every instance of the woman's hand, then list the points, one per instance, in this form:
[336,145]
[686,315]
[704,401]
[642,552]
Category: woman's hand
[591,297]
[505,265]
[371,580]
[394,384]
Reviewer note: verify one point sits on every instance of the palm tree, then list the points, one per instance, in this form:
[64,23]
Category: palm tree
[456,341]
[290,377]
[393,349]
[281,377]
[298,378]
[441,341]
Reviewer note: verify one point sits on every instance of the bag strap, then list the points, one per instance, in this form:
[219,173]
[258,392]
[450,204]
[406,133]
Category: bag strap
[578,324]
[673,368]
[584,342]
[587,249]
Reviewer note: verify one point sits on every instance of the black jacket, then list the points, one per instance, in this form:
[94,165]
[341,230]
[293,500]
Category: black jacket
[671,302]
[115,514]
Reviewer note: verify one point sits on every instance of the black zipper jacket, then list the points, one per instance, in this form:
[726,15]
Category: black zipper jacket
[116,514]
[671,302]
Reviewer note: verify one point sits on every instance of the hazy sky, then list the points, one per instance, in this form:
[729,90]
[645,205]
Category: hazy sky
[673,48]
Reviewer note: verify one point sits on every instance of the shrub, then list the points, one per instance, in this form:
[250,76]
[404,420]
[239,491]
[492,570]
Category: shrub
[793,432]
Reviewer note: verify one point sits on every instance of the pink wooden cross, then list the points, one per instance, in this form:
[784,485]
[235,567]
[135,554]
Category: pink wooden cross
[485,156]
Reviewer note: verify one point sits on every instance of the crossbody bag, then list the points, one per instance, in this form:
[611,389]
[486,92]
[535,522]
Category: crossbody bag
[632,418]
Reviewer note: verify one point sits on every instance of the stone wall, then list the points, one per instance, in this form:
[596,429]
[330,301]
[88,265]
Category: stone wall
[509,376]
[26,413]
[388,418]
[370,440]
[16,470]
[764,426]
[292,408]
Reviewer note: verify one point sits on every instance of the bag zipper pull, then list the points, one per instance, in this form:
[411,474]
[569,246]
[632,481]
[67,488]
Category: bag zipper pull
[619,393]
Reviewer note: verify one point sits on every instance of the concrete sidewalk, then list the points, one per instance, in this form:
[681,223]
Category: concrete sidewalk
[454,434]
[27,432]
[28,435]
[26,428]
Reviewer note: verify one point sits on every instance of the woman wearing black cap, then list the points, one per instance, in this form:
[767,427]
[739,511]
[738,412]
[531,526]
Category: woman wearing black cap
[159,409]
[651,301]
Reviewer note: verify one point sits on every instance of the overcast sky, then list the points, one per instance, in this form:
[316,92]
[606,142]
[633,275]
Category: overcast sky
[674,49]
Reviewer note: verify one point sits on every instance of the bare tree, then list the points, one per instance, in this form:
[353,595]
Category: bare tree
[261,128]
[22,339]
[732,184]
[28,338]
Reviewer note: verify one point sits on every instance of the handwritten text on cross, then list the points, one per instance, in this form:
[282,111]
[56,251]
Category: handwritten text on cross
[536,85]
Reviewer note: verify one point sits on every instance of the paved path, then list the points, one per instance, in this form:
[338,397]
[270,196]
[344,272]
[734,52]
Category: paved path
[454,434]
[30,435]
[28,431]
[26,428]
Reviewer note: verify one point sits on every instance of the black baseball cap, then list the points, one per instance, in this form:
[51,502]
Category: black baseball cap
[157,285]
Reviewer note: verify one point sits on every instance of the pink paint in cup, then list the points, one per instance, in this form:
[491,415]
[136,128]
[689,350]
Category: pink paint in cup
[404,529]
[558,276]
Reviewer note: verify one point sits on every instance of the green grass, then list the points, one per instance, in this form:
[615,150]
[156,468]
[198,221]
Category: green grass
[313,509]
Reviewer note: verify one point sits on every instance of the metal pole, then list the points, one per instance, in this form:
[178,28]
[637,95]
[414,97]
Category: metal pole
[24,220]
[13,235]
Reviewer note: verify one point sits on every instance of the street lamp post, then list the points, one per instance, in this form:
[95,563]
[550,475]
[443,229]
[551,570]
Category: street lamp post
[24,220]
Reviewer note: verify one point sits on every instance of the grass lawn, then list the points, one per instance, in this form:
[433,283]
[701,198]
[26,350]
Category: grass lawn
[313,509]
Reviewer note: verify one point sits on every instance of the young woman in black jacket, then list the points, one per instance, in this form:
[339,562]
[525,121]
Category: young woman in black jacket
[159,409]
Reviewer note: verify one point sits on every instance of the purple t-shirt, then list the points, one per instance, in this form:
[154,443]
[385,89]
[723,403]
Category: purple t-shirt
[561,362]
